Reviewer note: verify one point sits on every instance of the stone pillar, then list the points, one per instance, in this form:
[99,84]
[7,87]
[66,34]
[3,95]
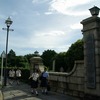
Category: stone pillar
[36,62]
[91,38]
[53,66]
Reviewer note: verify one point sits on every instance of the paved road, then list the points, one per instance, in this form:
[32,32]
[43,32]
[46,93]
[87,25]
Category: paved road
[22,92]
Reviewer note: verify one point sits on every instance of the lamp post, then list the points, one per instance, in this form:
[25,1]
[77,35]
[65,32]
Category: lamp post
[8,22]
[94,11]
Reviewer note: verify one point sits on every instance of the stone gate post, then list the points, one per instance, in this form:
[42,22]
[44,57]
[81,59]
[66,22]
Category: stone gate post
[91,38]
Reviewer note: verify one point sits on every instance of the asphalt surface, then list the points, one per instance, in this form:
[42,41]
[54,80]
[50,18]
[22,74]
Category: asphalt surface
[23,92]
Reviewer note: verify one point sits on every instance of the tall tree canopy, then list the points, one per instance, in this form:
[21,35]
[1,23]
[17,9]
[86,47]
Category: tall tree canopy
[28,56]
[21,61]
[47,57]
[11,58]
[60,61]
[63,59]
[75,52]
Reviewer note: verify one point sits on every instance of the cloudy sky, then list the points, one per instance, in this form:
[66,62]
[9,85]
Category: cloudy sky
[43,24]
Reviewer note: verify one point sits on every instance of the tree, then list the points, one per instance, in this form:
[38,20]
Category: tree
[28,56]
[47,57]
[75,52]
[11,58]
[60,61]
[21,61]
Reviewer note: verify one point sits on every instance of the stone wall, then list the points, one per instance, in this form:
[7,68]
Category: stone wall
[69,83]
[84,79]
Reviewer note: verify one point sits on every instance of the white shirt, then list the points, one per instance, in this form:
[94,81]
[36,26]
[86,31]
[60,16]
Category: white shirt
[11,73]
[18,73]
[35,76]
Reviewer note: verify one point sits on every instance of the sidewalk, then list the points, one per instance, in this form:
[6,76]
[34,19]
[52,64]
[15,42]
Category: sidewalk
[22,92]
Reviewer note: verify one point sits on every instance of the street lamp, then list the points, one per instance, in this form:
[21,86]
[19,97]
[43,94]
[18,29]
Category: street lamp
[94,11]
[8,22]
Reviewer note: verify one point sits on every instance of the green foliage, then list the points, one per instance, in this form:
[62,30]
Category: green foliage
[28,56]
[47,57]
[25,75]
[11,61]
[75,52]
[64,59]
[21,61]
[16,61]
[60,61]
